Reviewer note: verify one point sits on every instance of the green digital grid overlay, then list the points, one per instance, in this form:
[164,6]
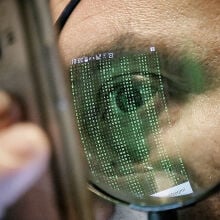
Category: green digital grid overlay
[115,104]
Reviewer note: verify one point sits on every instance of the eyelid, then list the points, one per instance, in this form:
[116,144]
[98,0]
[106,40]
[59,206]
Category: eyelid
[137,76]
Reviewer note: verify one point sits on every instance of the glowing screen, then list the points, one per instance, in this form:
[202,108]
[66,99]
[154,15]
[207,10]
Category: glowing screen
[120,100]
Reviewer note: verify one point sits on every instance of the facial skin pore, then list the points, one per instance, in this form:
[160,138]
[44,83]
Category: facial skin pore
[177,27]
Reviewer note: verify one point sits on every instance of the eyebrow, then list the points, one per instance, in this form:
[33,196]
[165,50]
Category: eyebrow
[167,48]
[128,44]
[124,43]
[134,43]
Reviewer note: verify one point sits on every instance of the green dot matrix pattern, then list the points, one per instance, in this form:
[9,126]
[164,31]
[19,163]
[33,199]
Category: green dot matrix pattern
[116,137]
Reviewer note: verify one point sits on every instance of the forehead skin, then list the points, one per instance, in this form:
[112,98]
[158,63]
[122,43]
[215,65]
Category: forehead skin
[173,25]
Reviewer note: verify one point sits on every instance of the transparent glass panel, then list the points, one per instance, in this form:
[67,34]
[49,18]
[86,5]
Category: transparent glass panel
[134,113]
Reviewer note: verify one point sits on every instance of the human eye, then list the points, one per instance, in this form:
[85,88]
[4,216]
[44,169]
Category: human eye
[125,94]
[157,80]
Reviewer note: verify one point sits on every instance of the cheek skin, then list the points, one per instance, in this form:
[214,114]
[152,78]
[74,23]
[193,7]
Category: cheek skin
[196,131]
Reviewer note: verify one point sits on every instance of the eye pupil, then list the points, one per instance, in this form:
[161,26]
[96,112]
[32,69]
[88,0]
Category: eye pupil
[129,99]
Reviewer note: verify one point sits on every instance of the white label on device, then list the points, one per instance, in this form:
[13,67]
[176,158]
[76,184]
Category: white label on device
[180,190]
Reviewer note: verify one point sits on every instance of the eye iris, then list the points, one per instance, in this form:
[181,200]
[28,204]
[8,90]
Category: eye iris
[128,99]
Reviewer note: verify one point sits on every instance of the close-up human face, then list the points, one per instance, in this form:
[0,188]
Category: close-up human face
[186,37]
